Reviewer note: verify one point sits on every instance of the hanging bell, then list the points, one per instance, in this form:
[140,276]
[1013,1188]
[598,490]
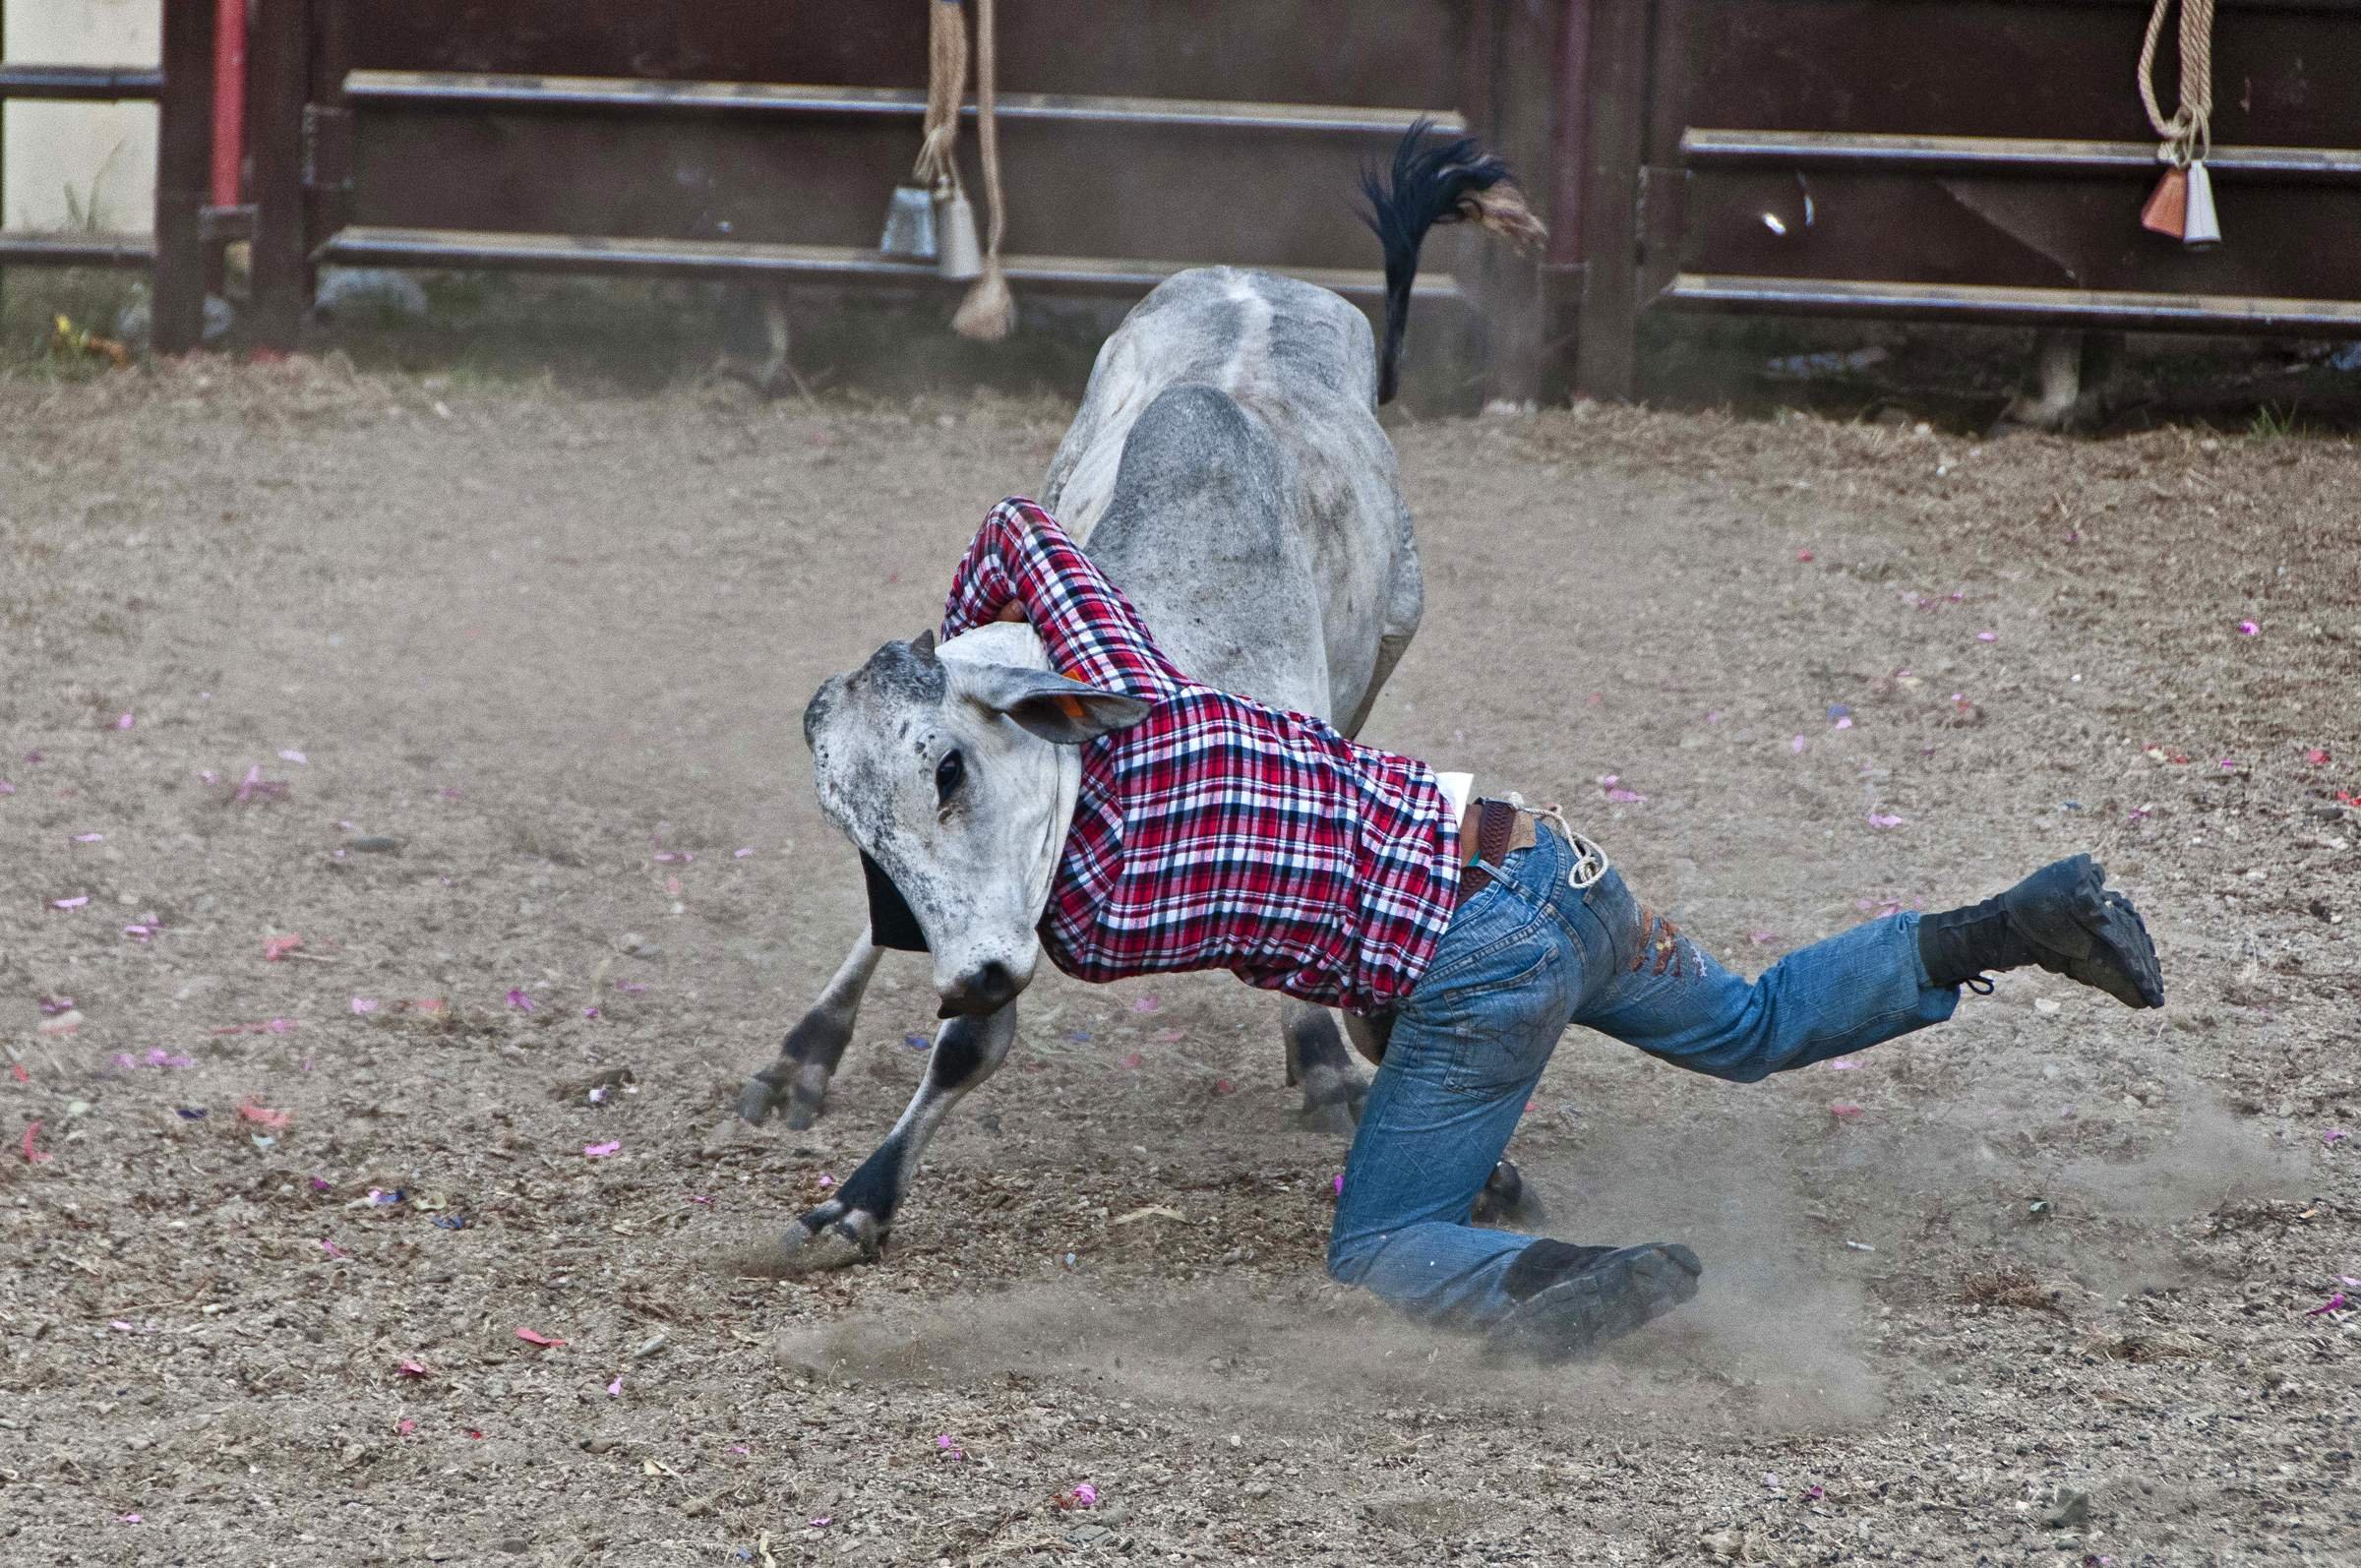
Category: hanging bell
[2167,208]
[959,257]
[2201,228]
[910,224]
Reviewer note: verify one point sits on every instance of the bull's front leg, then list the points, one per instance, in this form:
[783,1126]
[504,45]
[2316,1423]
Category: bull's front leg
[809,1055]
[967,1050]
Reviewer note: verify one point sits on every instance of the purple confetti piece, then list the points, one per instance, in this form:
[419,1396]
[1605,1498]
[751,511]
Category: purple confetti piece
[519,1001]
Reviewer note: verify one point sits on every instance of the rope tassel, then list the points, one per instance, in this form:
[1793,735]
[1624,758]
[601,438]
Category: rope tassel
[2182,203]
[990,310]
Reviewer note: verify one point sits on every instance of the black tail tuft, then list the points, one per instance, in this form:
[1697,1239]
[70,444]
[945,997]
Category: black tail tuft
[1433,181]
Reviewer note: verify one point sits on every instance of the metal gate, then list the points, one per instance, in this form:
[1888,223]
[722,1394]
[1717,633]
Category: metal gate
[1970,161]
[760,138]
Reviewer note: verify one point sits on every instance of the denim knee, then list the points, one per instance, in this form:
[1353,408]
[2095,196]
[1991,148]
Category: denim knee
[1349,1260]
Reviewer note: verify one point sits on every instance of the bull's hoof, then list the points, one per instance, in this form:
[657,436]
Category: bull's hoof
[800,1089]
[803,1109]
[833,1237]
[1332,1102]
[1506,1202]
[758,1099]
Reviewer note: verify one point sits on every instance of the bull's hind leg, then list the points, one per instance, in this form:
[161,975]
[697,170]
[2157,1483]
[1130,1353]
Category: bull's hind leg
[1317,1061]
[809,1055]
[967,1050]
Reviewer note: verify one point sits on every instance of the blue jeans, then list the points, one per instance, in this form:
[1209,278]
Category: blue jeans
[1522,958]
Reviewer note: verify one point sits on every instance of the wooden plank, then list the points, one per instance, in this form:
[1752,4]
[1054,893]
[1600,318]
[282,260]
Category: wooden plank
[1606,363]
[431,89]
[365,246]
[276,76]
[1993,154]
[183,176]
[2121,309]
[22,249]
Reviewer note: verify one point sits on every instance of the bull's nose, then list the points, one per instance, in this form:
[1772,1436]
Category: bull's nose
[980,990]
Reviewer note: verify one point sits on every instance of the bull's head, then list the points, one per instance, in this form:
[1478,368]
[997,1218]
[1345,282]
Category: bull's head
[954,770]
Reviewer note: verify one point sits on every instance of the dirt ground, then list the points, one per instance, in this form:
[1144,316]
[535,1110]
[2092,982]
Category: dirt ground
[2043,1285]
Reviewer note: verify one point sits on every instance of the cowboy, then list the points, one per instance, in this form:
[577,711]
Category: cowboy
[1460,936]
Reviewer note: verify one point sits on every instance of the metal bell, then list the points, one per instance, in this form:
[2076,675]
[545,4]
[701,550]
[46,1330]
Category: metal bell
[959,256]
[910,224]
[2202,228]
[2167,208]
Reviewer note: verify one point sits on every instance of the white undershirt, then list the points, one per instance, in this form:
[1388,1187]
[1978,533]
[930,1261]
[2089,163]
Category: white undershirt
[1455,788]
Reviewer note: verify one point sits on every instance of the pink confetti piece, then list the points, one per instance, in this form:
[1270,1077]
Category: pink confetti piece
[826,1180]
[129,1519]
[615,1389]
[741,853]
[51,1006]
[34,1156]
[2332,1136]
[2228,764]
[740,1448]
[599,1151]
[254,787]
[1133,1059]
[1624,797]
[519,1001]
[364,1004]
[275,948]
[1814,1495]
[706,1198]
[590,1012]
[449,792]
[535,1337]
[15,1070]
[818,1522]
[1987,636]
[139,931]
[404,1427]
[410,1370]
[948,1447]
[1804,555]
[1844,1110]
[1844,1064]
[1883,820]
[1798,744]
[1336,1187]
[632,987]
[158,1056]
[330,1247]
[1224,1086]
[206,775]
[70,903]
[6,788]
[1147,1004]
[124,721]
[1762,938]
[321,1184]
[2246,628]
[1844,722]
[90,838]
[1084,1495]
[675,857]
[2335,1304]
[2318,757]
[34,756]
[264,1116]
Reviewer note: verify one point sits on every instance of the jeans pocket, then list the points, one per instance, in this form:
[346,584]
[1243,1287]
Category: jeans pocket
[1503,1015]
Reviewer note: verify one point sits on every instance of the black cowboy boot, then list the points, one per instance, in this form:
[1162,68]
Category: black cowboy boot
[2061,918]
[1572,1299]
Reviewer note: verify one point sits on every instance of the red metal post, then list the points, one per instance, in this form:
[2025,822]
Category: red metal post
[230,100]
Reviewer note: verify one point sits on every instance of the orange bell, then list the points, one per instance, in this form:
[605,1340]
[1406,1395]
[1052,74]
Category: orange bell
[2167,208]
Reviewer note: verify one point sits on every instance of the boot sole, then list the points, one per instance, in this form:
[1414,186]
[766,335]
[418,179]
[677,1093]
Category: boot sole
[1572,1319]
[2121,954]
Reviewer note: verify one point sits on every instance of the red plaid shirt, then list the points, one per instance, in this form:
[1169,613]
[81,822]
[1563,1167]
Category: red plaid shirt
[1216,833]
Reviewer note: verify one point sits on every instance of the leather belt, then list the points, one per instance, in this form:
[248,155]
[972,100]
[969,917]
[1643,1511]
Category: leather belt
[1489,831]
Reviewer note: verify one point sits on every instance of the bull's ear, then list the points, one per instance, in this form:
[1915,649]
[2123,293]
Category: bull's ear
[1056,709]
[923,645]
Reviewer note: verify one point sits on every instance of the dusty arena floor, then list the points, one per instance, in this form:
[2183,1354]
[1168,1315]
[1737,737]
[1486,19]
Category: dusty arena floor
[2045,1285]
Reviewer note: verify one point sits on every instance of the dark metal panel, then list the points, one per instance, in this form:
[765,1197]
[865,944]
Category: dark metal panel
[1309,51]
[1606,364]
[2284,73]
[2048,232]
[183,175]
[83,84]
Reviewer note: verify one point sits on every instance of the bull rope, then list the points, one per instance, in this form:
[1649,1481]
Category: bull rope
[2189,133]
[990,310]
[947,84]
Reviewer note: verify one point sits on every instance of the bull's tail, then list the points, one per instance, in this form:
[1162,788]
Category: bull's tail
[1434,181]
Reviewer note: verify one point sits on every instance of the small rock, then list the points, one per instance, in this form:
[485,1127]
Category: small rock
[375,844]
[370,294]
[2044,1006]
[2070,1511]
[513,1544]
[1726,1545]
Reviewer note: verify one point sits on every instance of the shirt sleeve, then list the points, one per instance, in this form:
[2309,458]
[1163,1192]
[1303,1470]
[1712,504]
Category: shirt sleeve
[1091,631]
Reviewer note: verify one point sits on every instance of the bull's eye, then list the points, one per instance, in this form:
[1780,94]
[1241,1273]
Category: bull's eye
[950,774]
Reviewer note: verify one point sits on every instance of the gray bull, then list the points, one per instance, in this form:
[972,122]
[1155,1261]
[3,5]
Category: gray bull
[1228,472]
